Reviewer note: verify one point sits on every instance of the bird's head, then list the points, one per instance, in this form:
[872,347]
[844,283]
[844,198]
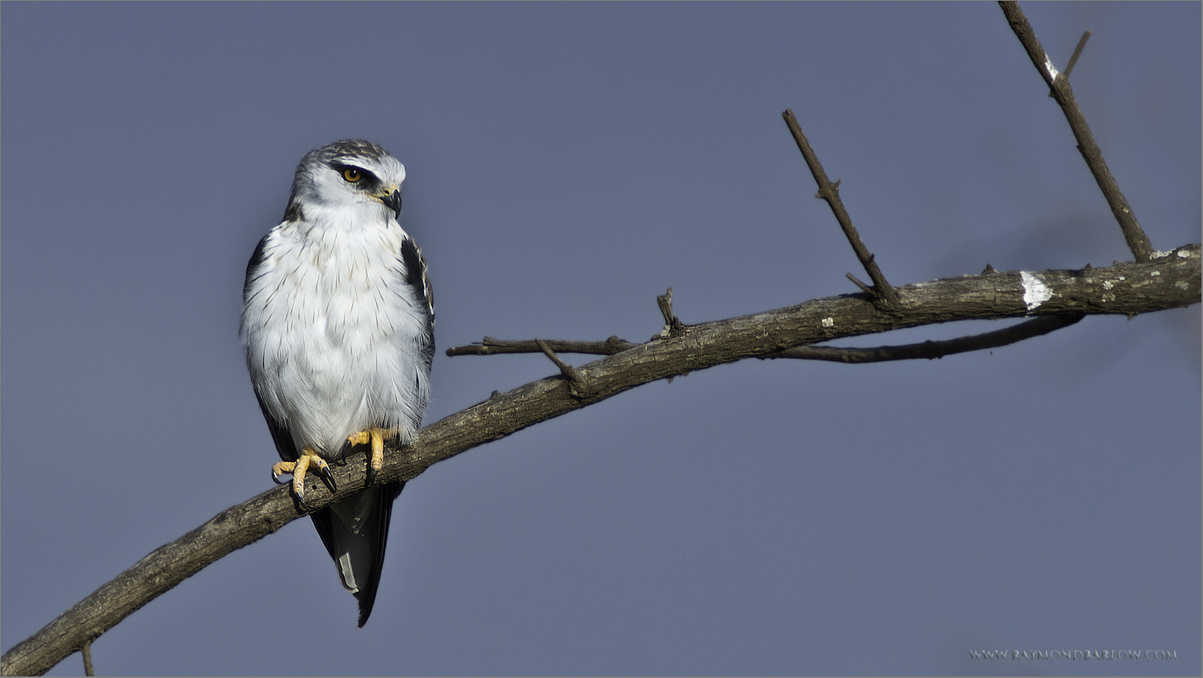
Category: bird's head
[351,173]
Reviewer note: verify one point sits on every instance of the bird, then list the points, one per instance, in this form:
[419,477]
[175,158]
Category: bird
[338,326]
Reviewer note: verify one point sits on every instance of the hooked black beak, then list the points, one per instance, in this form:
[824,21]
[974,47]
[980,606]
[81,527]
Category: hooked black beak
[393,202]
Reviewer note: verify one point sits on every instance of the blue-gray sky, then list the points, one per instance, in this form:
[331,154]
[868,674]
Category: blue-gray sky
[567,163]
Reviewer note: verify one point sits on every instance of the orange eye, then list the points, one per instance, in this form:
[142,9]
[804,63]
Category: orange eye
[352,175]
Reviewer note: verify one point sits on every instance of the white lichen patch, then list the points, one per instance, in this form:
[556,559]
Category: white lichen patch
[1035,292]
[827,322]
[1052,70]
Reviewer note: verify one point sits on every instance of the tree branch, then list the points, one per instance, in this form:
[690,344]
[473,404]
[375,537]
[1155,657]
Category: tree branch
[1073,59]
[1058,82]
[1169,281]
[672,325]
[579,388]
[494,346]
[830,192]
[933,349]
[928,349]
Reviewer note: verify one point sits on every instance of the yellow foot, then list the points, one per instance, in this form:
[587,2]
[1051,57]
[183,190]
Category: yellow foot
[376,437]
[308,459]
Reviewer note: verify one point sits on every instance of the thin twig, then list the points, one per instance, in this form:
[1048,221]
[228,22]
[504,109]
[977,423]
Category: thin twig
[672,325]
[1073,59]
[882,290]
[576,384]
[1077,53]
[494,346]
[933,349]
[1138,242]
[867,290]
[86,651]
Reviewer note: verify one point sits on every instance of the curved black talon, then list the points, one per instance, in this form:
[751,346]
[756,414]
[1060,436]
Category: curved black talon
[327,477]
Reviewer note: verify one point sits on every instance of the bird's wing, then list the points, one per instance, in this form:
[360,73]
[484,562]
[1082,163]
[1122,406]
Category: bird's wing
[280,433]
[279,430]
[416,275]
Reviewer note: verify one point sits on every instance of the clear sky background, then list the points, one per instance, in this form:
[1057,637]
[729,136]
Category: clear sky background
[566,164]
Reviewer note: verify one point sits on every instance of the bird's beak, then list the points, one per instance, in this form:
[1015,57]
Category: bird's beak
[392,200]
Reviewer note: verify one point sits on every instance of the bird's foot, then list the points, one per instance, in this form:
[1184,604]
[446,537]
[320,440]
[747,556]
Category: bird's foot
[308,459]
[376,437]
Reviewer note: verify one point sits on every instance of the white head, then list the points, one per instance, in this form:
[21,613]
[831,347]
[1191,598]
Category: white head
[352,173]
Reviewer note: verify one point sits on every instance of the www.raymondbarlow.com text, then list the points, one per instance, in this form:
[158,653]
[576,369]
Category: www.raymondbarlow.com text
[1073,654]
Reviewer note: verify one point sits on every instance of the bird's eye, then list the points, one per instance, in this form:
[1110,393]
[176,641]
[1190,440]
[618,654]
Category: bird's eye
[352,175]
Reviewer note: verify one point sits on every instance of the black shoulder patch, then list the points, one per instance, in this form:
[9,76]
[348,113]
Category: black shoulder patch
[416,275]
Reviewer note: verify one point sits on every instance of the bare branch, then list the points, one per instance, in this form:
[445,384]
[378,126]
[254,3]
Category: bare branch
[1058,82]
[864,288]
[1169,281]
[830,192]
[927,349]
[493,346]
[672,325]
[933,349]
[569,372]
[1073,60]
[87,653]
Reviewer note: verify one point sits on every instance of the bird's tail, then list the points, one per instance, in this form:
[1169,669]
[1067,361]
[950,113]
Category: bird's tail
[355,532]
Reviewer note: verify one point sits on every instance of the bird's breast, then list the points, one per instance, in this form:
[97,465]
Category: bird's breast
[334,334]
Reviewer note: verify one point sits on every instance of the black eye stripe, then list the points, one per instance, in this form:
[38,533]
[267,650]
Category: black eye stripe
[366,177]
